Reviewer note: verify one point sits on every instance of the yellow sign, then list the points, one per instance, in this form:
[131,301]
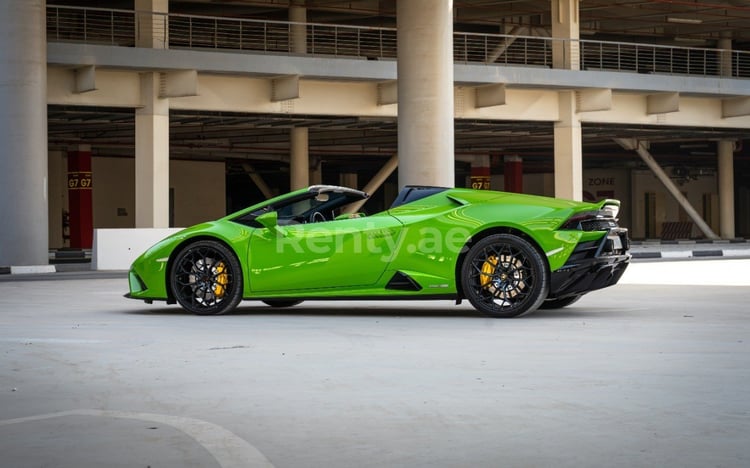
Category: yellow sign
[480,182]
[79,180]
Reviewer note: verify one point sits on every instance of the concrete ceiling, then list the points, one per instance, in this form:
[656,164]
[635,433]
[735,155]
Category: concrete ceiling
[263,138]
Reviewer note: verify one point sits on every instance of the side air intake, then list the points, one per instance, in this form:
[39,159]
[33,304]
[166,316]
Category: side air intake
[402,282]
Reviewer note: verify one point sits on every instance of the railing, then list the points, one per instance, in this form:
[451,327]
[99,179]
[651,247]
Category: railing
[127,28]
[658,59]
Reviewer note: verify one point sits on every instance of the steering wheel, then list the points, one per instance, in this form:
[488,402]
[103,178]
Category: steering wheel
[317,217]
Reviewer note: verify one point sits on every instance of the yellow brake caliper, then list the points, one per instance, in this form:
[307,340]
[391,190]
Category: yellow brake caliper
[222,279]
[488,270]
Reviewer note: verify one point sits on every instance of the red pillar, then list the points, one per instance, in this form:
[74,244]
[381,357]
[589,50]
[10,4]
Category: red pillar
[80,199]
[480,173]
[513,174]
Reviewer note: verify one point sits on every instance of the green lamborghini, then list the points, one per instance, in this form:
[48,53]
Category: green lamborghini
[508,254]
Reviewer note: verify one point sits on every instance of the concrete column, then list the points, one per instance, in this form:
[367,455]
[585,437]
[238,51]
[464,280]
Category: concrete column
[299,164]
[725,56]
[316,172]
[568,150]
[23,132]
[565,34]
[298,31]
[152,29]
[348,179]
[152,156]
[425,92]
[513,172]
[726,189]
[152,124]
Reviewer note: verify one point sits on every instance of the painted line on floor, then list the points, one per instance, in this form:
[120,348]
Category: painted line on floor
[229,450]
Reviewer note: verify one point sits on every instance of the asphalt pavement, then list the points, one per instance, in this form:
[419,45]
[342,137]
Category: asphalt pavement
[651,372]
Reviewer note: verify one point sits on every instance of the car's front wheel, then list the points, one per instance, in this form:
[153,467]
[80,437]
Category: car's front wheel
[206,278]
[504,276]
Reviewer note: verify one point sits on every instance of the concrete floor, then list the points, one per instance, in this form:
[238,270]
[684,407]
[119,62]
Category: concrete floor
[641,374]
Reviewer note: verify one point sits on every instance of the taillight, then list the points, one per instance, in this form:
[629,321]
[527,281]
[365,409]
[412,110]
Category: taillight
[599,220]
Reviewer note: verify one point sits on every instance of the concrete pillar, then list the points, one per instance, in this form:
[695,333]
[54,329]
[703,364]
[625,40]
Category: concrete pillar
[152,124]
[348,179]
[316,172]
[481,174]
[299,164]
[152,29]
[513,172]
[568,150]
[23,132]
[298,30]
[726,67]
[726,189]
[425,92]
[152,156]
[565,34]
[726,156]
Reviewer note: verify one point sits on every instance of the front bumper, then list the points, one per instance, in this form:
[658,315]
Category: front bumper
[592,265]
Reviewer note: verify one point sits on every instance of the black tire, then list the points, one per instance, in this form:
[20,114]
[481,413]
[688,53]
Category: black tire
[282,302]
[206,278]
[504,276]
[559,303]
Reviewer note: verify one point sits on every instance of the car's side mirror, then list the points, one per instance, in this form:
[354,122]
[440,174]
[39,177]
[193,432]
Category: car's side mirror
[269,220]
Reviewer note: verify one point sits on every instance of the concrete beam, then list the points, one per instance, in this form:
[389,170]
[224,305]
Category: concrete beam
[375,183]
[388,93]
[284,88]
[490,95]
[258,180]
[591,100]
[662,103]
[178,83]
[503,46]
[735,107]
[85,79]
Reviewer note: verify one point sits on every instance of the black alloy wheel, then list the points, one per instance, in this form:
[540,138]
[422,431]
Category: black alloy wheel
[206,278]
[504,276]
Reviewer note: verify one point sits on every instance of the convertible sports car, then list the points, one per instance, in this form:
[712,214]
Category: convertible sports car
[508,254]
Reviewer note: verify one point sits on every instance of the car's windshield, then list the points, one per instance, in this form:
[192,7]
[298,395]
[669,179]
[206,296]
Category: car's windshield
[308,207]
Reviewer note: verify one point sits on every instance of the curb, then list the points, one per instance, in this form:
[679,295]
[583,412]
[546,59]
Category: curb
[691,254]
[681,249]
[27,269]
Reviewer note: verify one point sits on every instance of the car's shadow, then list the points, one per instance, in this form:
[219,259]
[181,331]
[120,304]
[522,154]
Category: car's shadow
[352,309]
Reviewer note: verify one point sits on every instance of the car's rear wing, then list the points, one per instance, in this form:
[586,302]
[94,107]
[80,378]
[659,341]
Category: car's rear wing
[611,206]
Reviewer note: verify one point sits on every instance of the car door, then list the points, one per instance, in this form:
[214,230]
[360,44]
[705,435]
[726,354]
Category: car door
[343,253]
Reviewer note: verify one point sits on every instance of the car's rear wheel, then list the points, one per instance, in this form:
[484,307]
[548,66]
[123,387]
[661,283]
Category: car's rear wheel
[504,276]
[559,303]
[206,278]
[282,302]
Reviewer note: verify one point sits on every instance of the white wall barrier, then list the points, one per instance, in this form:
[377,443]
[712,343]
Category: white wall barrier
[115,249]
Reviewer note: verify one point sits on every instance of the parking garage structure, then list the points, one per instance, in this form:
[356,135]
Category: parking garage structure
[187,110]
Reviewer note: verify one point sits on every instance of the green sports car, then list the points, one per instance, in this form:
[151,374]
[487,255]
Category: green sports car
[508,254]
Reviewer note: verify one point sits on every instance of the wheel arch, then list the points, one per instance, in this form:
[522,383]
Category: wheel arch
[486,233]
[179,247]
